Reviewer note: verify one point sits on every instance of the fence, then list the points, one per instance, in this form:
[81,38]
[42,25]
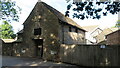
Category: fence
[90,55]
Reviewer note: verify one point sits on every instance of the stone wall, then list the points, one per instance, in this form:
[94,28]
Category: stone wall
[90,55]
[17,49]
[11,49]
[42,18]
[7,49]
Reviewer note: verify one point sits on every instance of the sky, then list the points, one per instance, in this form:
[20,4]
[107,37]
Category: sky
[60,5]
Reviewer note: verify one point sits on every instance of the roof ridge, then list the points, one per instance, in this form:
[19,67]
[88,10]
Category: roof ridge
[90,25]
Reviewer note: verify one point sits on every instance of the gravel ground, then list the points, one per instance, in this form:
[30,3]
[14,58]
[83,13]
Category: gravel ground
[16,62]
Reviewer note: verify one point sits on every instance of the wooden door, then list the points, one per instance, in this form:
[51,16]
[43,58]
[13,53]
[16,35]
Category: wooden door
[39,48]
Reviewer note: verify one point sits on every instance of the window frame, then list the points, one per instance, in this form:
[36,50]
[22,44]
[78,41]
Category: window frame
[37,31]
[76,30]
[70,29]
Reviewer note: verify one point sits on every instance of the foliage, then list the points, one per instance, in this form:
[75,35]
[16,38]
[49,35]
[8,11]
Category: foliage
[93,9]
[6,31]
[118,24]
[9,10]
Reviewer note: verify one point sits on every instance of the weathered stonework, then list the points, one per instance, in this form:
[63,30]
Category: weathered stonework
[48,22]
[7,49]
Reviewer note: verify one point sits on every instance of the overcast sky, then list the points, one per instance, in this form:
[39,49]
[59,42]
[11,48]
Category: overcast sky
[60,5]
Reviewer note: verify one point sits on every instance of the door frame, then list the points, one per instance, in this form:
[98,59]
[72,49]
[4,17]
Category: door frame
[39,42]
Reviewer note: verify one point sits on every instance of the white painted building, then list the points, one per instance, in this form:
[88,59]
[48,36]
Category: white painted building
[92,31]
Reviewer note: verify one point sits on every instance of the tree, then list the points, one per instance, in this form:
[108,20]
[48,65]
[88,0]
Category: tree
[92,9]
[118,24]
[6,31]
[9,10]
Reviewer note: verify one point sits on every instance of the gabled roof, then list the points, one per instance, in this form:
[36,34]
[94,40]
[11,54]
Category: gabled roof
[90,28]
[114,29]
[108,30]
[113,32]
[61,16]
[20,32]
[104,33]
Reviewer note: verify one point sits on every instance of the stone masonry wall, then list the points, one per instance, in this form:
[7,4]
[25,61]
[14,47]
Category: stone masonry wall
[7,49]
[42,18]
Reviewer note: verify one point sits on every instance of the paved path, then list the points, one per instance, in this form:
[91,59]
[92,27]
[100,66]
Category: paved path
[15,61]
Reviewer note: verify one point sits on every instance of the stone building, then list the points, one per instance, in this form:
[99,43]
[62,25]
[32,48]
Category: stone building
[45,30]
[113,38]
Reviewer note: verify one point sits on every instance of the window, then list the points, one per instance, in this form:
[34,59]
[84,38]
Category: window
[37,31]
[83,38]
[70,29]
[76,30]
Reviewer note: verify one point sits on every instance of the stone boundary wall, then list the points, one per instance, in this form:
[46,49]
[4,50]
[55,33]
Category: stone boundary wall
[7,49]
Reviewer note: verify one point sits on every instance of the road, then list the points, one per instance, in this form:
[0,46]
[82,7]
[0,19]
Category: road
[16,61]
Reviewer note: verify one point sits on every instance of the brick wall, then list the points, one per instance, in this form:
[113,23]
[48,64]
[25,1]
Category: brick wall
[113,38]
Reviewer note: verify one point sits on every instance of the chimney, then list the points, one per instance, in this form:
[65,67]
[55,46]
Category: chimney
[39,0]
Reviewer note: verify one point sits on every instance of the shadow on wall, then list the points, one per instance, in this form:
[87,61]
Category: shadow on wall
[74,38]
[92,55]
[7,49]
